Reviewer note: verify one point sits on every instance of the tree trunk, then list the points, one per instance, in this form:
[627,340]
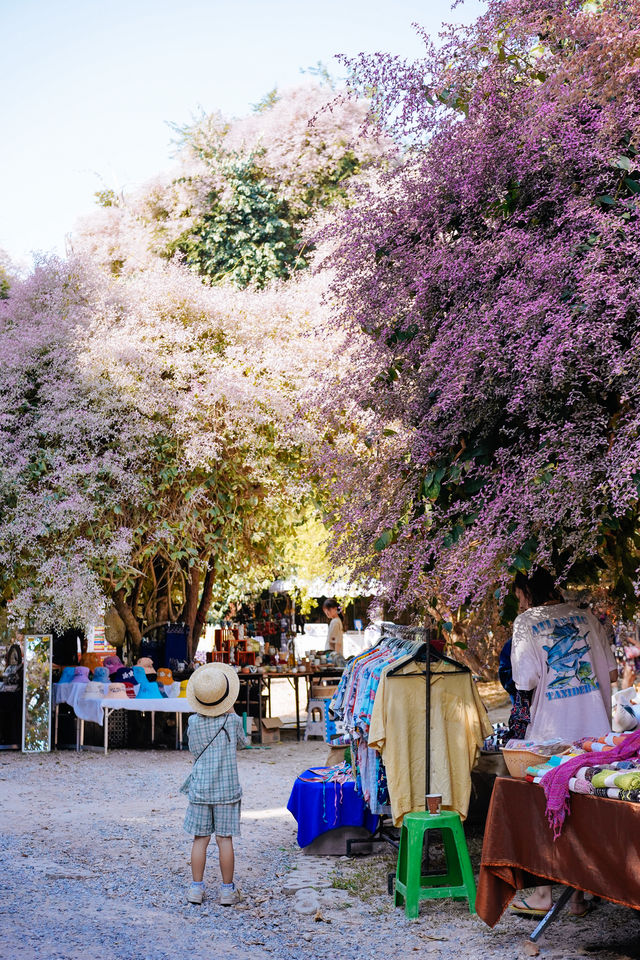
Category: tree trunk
[126,614]
[203,607]
[190,608]
[162,590]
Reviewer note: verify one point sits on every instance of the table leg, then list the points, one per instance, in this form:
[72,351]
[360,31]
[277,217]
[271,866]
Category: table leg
[55,735]
[177,731]
[82,734]
[106,730]
[179,716]
[296,680]
[551,914]
[153,727]
[260,681]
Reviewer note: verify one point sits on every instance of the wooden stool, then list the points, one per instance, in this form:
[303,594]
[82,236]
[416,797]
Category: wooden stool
[457,882]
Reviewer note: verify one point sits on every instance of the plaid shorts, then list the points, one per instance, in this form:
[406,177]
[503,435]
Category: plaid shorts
[203,819]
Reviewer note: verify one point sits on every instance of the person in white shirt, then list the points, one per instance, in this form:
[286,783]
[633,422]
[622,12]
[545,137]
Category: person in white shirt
[560,655]
[334,640]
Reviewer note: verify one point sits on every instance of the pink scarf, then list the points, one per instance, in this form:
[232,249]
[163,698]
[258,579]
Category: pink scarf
[556,781]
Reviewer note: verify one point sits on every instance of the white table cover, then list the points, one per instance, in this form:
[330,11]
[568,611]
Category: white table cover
[91,708]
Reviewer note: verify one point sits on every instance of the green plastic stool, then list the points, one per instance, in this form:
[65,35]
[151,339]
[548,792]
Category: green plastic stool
[457,882]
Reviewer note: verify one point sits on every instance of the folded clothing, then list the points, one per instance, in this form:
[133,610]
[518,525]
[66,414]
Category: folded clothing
[608,742]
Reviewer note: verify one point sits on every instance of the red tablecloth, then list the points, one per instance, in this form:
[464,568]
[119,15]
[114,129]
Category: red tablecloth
[598,850]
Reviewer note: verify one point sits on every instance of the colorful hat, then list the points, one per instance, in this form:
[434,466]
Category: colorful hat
[131,690]
[149,691]
[93,689]
[139,674]
[174,690]
[164,676]
[101,675]
[212,689]
[123,675]
[80,675]
[147,664]
[91,660]
[183,689]
[67,675]
[112,663]
[117,691]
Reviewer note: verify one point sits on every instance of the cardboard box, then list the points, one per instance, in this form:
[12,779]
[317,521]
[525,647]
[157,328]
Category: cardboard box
[271,729]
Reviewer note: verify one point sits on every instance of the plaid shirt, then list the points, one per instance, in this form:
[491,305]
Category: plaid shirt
[214,777]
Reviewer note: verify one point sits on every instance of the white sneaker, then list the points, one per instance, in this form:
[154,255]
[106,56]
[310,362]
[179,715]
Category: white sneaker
[196,893]
[228,896]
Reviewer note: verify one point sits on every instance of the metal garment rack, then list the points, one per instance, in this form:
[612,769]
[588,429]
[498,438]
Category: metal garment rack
[420,637]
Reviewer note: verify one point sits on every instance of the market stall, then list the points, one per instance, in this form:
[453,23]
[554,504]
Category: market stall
[564,819]
[593,853]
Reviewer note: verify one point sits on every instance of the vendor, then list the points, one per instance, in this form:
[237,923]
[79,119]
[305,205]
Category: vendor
[561,656]
[334,640]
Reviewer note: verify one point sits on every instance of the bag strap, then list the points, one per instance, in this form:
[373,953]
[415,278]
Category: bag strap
[212,739]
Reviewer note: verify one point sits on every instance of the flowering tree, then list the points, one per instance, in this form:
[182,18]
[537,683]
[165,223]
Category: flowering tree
[148,443]
[491,298]
[238,205]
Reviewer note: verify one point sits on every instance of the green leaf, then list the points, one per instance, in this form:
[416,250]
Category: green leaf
[383,541]
[605,200]
[632,184]
[623,163]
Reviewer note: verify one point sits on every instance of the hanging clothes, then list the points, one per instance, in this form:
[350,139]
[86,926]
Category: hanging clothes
[459,725]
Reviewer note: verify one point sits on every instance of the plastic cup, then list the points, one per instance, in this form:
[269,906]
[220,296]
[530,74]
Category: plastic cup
[434,802]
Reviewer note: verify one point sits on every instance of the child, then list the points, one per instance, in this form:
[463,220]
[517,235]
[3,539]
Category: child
[213,787]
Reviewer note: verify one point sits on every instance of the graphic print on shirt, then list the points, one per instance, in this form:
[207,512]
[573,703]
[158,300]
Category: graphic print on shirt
[568,660]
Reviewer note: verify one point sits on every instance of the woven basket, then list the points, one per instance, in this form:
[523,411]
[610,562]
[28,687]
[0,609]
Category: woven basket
[517,761]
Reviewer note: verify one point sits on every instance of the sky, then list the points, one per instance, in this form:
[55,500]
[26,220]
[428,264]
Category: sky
[90,88]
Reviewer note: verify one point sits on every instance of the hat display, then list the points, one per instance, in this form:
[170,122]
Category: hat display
[164,676]
[101,675]
[147,664]
[80,675]
[212,689]
[67,675]
[93,689]
[131,690]
[183,689]
[123,675]
[117,691]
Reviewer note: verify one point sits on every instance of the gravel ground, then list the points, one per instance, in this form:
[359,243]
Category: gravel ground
[95,865]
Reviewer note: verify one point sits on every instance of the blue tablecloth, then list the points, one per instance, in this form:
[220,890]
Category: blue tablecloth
[319,807]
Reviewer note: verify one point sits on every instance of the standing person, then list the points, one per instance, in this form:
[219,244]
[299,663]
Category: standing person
[335,638]
[562,657]
[213,787]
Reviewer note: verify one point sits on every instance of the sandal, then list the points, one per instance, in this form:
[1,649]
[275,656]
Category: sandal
[587,907]
[526,911]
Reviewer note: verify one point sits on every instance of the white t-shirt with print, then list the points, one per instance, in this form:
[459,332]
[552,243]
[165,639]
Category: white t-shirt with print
[562,653]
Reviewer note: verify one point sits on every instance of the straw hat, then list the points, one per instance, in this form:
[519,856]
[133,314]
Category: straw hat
[117,691]
[164,676]
[212,689]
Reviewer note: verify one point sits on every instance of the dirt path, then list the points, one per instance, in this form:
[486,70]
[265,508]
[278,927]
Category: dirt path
[95,865]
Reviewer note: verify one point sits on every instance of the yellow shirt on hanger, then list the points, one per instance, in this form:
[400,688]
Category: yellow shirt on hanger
[459,725]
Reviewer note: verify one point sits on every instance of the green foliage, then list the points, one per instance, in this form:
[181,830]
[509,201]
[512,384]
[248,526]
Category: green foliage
[245,237]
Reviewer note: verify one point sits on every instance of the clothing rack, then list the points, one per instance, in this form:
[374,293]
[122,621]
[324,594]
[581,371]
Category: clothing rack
[417,641]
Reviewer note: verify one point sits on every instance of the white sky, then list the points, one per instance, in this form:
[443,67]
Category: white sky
[89,86]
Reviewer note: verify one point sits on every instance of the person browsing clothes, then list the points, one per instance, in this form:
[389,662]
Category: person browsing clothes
[213,788]
[335,641]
